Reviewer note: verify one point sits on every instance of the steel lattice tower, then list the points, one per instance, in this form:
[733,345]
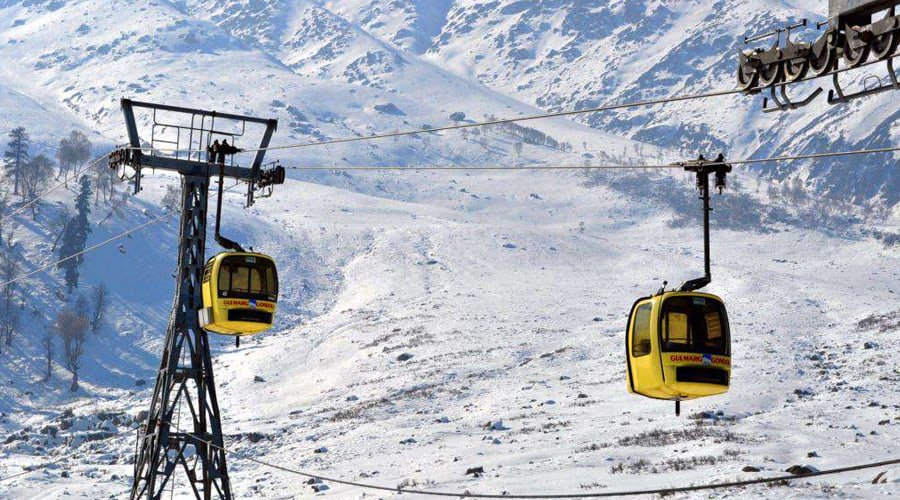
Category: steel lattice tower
[184,414]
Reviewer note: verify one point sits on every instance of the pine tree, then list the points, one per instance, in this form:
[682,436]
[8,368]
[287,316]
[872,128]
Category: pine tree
[75,236]
[16,155]
[9,269]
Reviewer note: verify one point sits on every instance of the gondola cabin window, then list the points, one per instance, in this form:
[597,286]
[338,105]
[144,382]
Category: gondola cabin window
[693,324]
[246,277]
[640,342]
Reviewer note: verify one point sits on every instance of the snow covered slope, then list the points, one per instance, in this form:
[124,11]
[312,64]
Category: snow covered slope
[510,291]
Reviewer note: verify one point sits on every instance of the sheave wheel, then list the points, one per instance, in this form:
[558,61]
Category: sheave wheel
[769,74]
[823,57]
[854,56]
[796,69]
[884,45]
[746,77]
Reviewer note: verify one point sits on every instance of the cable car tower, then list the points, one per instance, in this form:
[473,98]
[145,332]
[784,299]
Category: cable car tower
[185,387]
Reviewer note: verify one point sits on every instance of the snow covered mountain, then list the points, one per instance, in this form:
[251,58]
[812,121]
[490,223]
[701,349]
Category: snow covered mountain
[577,54]
[353,55]
[417,307]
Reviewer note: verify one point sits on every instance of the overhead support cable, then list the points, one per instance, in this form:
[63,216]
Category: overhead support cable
[487,167]
[527,118]
[749,161]
[459,126]
[94,246]
[52,189]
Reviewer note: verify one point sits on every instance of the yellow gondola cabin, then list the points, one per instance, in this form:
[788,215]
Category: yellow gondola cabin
[240,293]
[678,346]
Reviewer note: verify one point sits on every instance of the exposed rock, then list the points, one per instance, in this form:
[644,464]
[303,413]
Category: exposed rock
[800,470]
[255,437]
[257,378]
[389,109]
[750,468]
[804,393]
[496,425]
[404,357]
[475,471]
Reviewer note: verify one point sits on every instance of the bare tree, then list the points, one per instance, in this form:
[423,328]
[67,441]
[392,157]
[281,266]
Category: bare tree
[99,304]
[72,327]
[172,199]
[34,180]
[47,344]
[105,180]
[72,152]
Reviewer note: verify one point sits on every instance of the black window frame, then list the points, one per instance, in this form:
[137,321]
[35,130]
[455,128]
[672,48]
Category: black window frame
[649,306]
[725,349]
[262,265]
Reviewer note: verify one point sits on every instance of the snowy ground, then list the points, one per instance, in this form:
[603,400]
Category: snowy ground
[510,290]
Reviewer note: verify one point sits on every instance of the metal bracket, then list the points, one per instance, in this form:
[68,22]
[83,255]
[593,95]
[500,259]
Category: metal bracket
[785,103]
[837,95]
[123,158]
[777,32]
